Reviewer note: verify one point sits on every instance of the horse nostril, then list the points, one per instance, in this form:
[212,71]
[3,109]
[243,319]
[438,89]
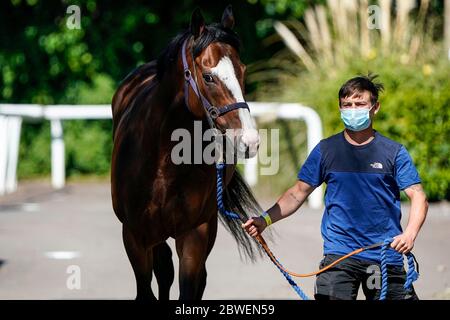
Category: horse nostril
[250,149]
[247,143]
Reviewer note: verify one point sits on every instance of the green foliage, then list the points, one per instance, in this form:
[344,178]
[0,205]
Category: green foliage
[294,8]
[88,147]
[279,9]
[34,152]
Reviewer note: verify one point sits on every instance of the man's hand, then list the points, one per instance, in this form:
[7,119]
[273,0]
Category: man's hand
[403,243]
[255,226]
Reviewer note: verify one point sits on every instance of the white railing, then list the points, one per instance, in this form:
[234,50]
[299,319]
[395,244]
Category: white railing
[11,116]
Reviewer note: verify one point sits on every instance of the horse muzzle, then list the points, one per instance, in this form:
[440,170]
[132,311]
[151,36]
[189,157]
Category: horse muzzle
[248,143]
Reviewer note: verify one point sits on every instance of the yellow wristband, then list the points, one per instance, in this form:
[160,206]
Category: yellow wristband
[266,217]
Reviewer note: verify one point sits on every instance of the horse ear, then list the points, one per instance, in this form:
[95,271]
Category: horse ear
[197,23]
[228,18]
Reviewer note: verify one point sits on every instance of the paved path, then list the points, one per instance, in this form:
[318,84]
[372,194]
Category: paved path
[43,233]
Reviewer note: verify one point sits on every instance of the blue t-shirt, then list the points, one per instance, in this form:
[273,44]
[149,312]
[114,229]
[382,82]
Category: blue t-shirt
[362,198]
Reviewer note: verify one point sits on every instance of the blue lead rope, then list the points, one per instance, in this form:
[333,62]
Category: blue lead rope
[411,276]
[220,205]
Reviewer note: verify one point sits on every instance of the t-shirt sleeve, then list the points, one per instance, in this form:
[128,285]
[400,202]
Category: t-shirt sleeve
[405,172]
[311,171]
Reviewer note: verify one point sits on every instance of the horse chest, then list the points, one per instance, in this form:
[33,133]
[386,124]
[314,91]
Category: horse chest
[182,201]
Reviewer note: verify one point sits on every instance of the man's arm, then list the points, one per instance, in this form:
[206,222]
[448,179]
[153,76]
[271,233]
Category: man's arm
[286,205]
[419,207]
[290,201]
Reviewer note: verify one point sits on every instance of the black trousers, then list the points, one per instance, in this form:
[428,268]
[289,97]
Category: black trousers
[342,282]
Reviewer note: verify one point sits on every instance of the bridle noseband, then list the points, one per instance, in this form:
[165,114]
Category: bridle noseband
[212,112]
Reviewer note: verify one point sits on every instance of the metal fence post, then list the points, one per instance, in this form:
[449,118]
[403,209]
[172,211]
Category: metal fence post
[58,163]
[13,144]
[3,153]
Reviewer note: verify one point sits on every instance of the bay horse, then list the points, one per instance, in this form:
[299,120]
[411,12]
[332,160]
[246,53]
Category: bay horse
[154,198]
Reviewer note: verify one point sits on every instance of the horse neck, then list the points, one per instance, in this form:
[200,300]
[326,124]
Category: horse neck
[171,91]
[163,109]
[169,112]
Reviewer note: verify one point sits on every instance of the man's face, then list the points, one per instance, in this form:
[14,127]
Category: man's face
[360,100]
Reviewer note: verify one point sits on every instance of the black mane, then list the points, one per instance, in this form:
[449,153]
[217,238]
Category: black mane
[213,33]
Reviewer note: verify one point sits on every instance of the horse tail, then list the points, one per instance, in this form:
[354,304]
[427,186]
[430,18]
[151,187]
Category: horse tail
[239,198]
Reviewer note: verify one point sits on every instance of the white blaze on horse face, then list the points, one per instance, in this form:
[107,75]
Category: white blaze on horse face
[224,70]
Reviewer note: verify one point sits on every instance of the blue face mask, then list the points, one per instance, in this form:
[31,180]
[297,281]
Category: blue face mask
[356,119]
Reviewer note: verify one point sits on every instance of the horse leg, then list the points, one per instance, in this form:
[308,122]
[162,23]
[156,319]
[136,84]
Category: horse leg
[141,259]
[163,268]
[211,241]
[192,250]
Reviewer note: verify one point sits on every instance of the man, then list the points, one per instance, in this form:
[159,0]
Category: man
[364,172]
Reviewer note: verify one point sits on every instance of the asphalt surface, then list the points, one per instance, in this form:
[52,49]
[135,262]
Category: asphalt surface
[67,245]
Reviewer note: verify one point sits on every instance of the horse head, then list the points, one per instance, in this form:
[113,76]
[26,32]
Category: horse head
[214,80]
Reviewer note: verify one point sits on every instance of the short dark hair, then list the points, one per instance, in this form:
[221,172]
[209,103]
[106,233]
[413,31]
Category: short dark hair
[360,84]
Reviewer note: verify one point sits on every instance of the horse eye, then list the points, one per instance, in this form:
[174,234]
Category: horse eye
[208,77]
